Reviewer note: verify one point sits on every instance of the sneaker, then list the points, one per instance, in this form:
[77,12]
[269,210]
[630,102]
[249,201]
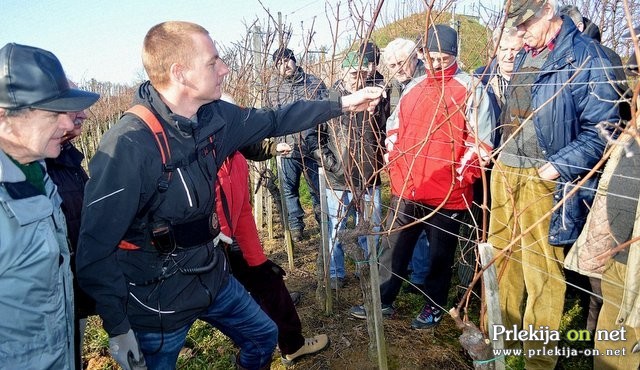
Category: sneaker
[360,313]
[429,317]
[310,346]
[297,235]
[336,283]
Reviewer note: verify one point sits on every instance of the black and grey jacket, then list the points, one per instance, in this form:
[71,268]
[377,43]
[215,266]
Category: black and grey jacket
[352,147]
[283,91]
[141,288]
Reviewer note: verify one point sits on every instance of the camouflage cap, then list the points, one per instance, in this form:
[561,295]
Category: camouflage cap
[521,11]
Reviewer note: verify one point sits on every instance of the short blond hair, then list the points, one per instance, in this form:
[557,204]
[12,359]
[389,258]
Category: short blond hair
[167,43]
[397,46]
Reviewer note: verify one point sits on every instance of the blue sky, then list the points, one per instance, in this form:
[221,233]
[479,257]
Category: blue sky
[102,39]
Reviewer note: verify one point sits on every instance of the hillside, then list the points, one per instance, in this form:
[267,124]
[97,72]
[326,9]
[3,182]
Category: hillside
[473,36]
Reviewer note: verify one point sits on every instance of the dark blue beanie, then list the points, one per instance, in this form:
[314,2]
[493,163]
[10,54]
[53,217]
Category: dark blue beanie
[442,38]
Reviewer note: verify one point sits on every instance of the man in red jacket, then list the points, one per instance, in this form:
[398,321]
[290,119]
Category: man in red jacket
[259,275]
[437,138]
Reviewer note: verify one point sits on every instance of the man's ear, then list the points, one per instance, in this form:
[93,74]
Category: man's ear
[580,26]
[176,73]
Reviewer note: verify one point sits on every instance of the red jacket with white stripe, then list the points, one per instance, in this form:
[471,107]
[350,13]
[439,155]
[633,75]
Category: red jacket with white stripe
[233,178]
[436,136]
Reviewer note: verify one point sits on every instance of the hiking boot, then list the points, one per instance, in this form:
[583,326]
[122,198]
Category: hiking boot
[297,235]
[310,346]
[360,313]
[336,282]
[429,317]
[295,297]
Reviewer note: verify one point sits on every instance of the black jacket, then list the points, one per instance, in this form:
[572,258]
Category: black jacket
[67,173]
[70,178]
[283,91]
[141,288]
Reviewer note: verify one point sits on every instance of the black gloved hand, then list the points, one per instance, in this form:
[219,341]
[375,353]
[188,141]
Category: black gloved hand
[270,268]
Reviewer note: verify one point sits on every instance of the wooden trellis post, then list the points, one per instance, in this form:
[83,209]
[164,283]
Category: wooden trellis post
[490,283]
[325,253]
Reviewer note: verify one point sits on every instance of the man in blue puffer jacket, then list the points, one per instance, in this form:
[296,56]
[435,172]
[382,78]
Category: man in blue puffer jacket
[557,98]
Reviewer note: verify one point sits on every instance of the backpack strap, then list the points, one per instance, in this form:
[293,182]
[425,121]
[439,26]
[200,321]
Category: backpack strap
[152,122]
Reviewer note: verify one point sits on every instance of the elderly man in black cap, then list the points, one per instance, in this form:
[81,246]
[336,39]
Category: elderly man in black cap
[290,84]
[435,147]
[36,302]
[558,95]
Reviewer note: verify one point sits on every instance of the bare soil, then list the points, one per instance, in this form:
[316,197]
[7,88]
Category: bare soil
[406,348]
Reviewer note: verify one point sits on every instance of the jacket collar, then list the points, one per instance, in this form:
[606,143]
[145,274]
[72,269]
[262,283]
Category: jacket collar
[70,156]
[564,50]
[149,96]
[9,172]
[444,74]
[297,77]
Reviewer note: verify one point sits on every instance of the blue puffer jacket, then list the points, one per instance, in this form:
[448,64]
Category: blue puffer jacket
[566,123]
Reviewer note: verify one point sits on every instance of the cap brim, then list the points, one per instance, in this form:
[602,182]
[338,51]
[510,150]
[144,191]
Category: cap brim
[356,69]
[73,100]
[516,21]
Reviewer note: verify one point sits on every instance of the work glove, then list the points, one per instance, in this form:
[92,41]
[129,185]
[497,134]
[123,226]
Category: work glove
[124,349]
[222,238]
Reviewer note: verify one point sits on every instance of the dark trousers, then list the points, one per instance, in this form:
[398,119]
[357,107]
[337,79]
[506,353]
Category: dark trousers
[442,233]
[292,170]
[270,292]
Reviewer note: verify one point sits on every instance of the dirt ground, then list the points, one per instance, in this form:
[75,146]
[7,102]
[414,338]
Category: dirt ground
[406,348]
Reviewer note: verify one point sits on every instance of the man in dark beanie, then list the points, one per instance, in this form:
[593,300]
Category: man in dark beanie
[442,38]
[438,139]
[550,140]
[288,85]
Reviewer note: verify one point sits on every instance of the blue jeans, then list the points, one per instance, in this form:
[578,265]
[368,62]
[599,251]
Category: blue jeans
[419,264]
[236,315]
[292,169]
[339,210]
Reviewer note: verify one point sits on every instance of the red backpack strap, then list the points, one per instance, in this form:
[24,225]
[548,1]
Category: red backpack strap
[154,125]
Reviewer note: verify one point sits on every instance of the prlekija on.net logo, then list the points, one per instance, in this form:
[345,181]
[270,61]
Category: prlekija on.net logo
[545,334]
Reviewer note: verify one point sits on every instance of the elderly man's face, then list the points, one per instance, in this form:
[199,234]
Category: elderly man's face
[78,119]
[402,66]
[535,30]
[35,135]
[354,79]
[441,61]
[506,53]
[286,67]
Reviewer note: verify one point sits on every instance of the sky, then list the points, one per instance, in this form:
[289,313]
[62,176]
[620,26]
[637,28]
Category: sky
[103,39]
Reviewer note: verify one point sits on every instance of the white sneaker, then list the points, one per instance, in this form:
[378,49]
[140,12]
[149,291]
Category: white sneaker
[310,346]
